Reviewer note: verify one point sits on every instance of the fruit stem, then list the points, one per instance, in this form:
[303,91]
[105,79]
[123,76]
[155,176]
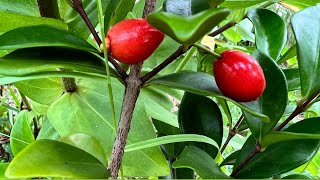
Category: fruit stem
[165,63]
[199,46]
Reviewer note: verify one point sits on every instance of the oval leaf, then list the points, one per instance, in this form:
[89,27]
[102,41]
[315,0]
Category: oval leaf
[201,162]
[293,78]
[270,30]
[48,158]
[200,115]
[281,157]
[198,25]
[306,26]
[273,101]
[21,134]
[42,36]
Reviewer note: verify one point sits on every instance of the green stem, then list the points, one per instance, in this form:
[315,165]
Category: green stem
[110,91]
[185,60]
[199,46]
[26,102]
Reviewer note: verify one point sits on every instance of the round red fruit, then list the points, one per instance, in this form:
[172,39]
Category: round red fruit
[133,40]
[239,76]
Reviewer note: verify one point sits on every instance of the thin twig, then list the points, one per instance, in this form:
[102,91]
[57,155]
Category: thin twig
[165,63]
[222,29]
[256,149]
[123,75]
[34,120]
[232,133]
[299,109]
[46,8]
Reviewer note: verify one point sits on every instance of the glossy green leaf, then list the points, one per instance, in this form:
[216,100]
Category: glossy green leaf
[201,162]
[273,101]
[185,7]
[40,36]
[110,9]
[200,115]
[293,78]
[76,24]
[198,25]
[25,7]
[123,8]
[21,133]
[10,21]
[231,159]
[297,176]
[28,61]
[199,83]
[87,143]
[306,26]
[270,30]
[43,91]
[276,137]
[88,111]
[290,53]
[281,157]
[48,158]
[3,168]
[170,139]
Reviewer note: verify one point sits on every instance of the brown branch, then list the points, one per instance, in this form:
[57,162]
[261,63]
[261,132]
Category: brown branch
[77,6]
[46,8]
[133,85]
[123,75]
[299,109]
[165,63]
[232,133]
[256,149]
[69,84]
[222,29]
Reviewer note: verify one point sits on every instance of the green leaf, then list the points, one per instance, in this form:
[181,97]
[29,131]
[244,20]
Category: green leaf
[276,137]
[200,115]
[231,159]
[110,9]
[10,21]
[120,13]
[281,157]
[48,158]
[297,176]
[25,7]
[273,101]
[201,162]
[185,7]
[306,26]
[88,111]
[199,83]
[29,61]
[301,4]
[21,133]
[198,25]
[3,168]
[87,143]
[239,4]
[43,91]
[170,139]
[293,78]
[270,30]
[40,36]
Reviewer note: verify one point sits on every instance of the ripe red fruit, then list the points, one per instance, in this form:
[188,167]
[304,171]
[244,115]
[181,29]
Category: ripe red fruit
[133,40]
[239,76]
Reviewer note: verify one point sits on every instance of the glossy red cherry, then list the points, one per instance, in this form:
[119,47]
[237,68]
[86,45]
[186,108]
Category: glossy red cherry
[239,76]
[133,40]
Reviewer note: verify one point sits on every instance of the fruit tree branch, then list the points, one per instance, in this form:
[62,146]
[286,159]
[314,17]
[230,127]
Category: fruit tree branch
[46,8]
[232,133]
[165,63]
[132,90]
[222,29]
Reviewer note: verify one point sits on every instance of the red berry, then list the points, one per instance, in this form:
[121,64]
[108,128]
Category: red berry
[133,40]
[239,76]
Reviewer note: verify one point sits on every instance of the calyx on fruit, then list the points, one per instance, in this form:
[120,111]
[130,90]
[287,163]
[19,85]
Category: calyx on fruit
[133,40]
[239,76]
